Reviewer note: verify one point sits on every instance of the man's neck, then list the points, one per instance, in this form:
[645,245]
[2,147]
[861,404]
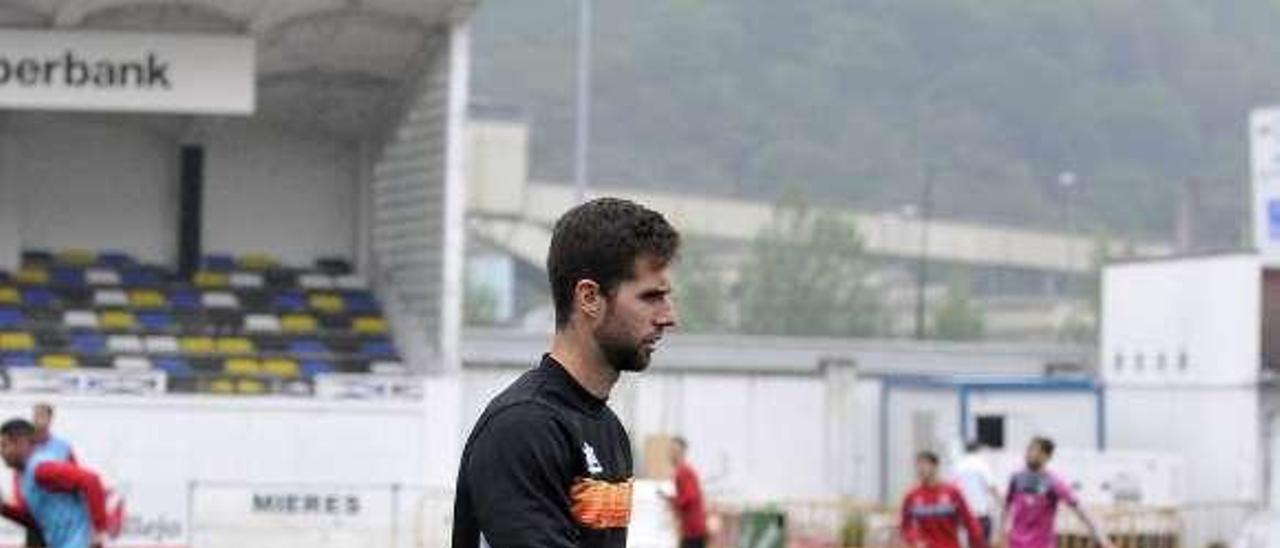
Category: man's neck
[581,358]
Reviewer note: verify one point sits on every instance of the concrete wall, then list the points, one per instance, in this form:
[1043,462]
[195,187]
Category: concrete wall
[1215,430]
[88,182]
[111,182]
[1187,321]
[919,419]
[291,195]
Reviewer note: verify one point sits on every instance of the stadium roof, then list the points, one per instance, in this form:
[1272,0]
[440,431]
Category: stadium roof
[337,66]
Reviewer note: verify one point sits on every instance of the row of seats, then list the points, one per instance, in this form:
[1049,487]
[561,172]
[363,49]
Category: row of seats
[78,257]
[190,299]
[239,325]
[285,368]
[68,276]
[215,261]
[161,321]
[94,343]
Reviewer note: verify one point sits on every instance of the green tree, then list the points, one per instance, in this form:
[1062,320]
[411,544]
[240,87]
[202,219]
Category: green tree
[1082,326]
[733,96]
[701,293]
[958,318]
[807,275]
[479,304]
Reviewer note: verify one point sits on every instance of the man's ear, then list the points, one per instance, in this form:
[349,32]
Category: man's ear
[589,299]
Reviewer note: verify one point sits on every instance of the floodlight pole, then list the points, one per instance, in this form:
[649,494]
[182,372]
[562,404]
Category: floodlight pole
[583,103]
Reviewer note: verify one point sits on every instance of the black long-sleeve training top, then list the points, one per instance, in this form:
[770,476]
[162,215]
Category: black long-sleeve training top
[548,465]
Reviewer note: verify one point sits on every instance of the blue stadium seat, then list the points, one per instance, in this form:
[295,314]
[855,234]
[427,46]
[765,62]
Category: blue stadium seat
[378,348]
[360,301]
[11,317]
[38,297]
[311,368]
[306,347]
[18,359]
[185,299]
[140,277]
[88,343]
[290,301]
[153,320]
[69,276]
[175,367]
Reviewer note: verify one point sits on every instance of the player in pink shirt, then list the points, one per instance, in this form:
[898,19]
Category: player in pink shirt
[1031,506]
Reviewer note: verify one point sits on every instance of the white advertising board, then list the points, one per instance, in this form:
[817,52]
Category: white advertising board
[127,72]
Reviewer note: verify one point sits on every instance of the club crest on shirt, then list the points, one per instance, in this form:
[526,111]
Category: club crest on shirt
[593,463]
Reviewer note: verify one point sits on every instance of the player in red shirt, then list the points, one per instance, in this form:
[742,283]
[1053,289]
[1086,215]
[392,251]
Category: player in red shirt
[687,502]
[933,511]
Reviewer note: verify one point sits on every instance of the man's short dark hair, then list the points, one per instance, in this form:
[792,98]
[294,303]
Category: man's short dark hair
[17,428]
[973,446]
[1046,445]
[600,241]
[679,440]
[927,455]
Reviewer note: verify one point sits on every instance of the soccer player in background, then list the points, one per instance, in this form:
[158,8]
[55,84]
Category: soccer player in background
[975,479]
[687,502]
[933,511]
[548,464]
[66,501]
[42,419]
[16,511]
[1031,505]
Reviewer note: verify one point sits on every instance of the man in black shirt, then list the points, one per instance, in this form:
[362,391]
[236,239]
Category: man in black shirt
[548,464]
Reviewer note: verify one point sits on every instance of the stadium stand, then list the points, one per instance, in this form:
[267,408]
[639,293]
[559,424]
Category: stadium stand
[239,325]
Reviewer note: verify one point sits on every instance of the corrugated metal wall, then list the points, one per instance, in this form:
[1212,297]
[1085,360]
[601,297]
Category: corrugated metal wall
[408,201]
[415,208]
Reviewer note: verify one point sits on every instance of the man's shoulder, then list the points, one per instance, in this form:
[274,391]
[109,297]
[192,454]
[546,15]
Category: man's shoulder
[522,403]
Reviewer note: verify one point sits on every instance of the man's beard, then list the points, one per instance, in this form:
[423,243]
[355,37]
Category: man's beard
[620,353]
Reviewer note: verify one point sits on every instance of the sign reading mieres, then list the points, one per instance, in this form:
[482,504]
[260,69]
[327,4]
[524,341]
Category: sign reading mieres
[330,504]
[126,72]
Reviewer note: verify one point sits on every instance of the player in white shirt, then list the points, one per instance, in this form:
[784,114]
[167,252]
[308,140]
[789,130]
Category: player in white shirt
[973,475]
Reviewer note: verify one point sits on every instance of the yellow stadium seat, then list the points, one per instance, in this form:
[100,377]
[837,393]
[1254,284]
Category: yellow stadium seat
[147,298]
[206,279]
[32,275]
[256,261]
[196,345]
[58,361]
[242,366]
[10,295]
[252,387]
[222,386]
[369,324]
[17,340]
[234,345]
[327,302]
[280,367]
[298,323]
[116,319]
[77,256]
